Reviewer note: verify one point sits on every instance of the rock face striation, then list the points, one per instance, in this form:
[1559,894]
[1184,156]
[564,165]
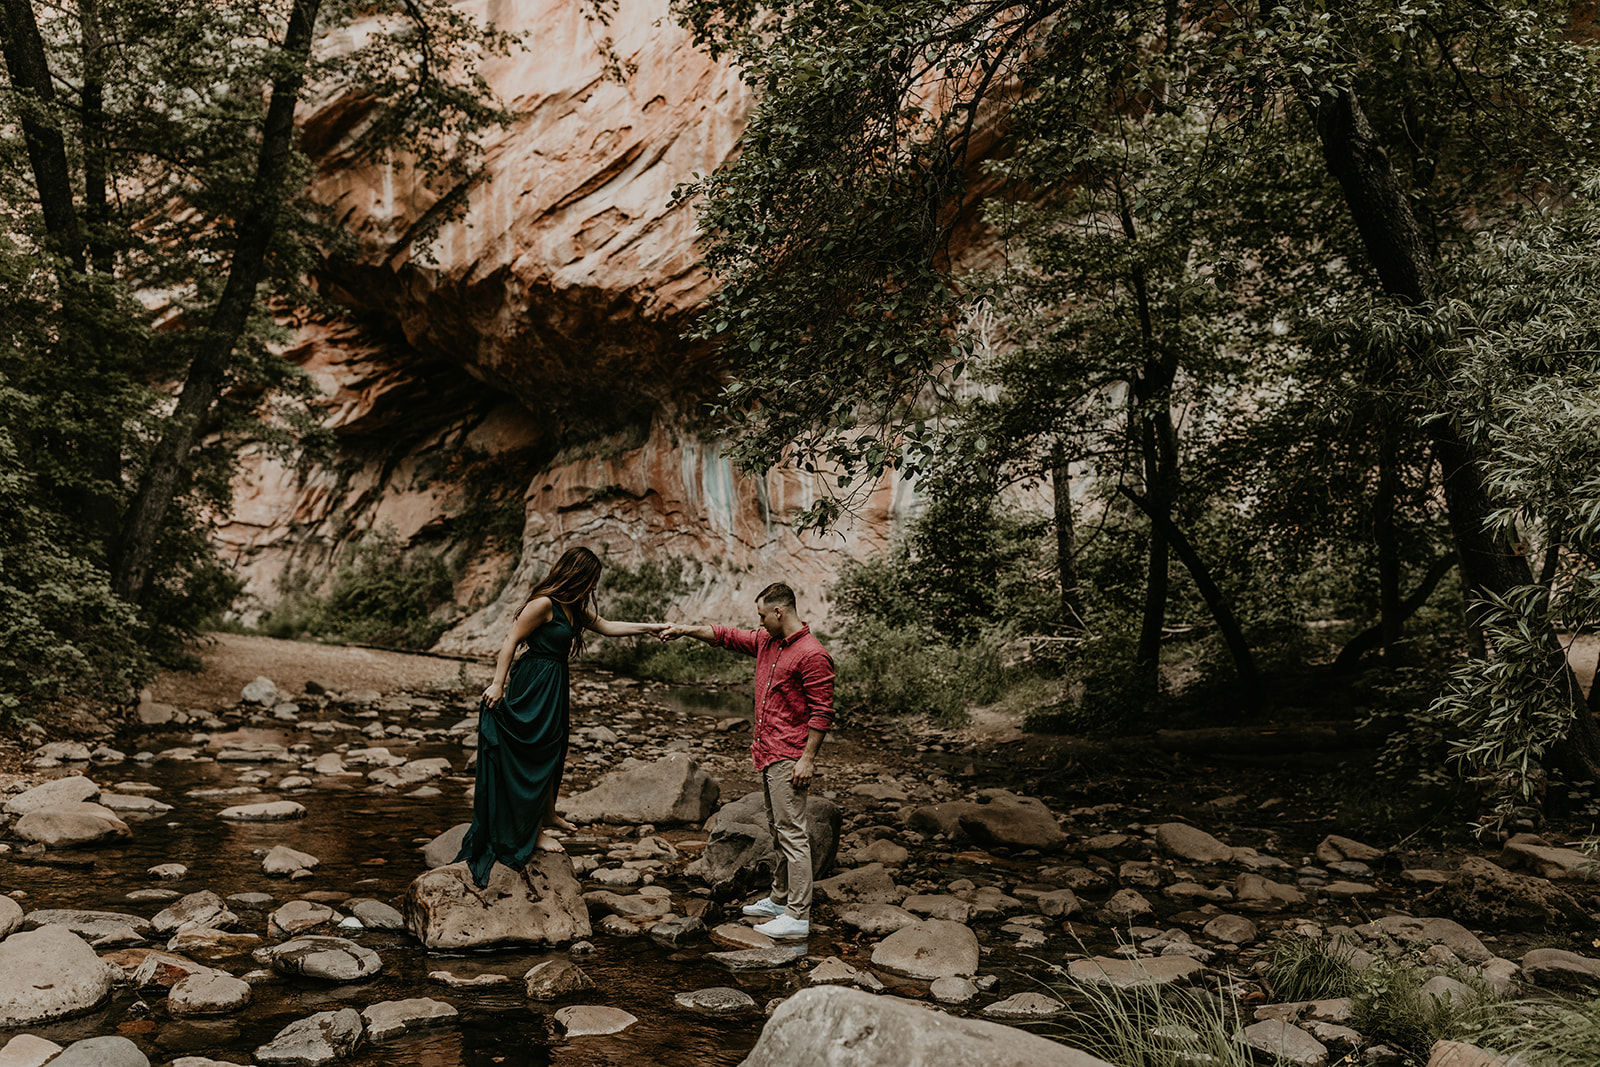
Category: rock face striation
[527,369]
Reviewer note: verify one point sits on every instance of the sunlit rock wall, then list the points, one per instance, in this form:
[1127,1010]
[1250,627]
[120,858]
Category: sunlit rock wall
[539,333]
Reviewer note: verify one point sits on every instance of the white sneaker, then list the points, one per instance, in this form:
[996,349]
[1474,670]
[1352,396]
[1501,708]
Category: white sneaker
[764,909]
[785,927]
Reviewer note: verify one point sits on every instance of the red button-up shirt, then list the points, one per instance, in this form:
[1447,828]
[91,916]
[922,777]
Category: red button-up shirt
[794,689]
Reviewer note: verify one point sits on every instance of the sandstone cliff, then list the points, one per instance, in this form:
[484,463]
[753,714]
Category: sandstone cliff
[531,357]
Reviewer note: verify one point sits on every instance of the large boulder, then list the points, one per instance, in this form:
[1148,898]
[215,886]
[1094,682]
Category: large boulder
[65,825]
[834,1026]
[740,854]
[1012,821]
[539,904]
[673,789]
[49,973]
[936,948]
[1487,896]
[73,789]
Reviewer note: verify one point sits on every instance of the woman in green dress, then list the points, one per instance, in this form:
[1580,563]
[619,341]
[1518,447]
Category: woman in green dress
[523,719]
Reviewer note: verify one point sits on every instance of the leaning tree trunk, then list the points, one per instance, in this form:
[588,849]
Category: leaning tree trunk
[1394,243]
[29,69]
[213,358]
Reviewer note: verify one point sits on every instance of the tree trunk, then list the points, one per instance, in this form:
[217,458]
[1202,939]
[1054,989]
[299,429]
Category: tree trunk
[1066,538]
[1385,535]
[1372,637]
[1394,243]
[214,348]
[1243,661]
[95,176]
[47,148]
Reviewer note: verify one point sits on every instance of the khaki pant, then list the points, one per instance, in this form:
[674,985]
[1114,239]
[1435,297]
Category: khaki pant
[786,813]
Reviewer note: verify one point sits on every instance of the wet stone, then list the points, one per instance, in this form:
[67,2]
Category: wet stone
[1025,1006]
[322,1038]
[391,1018]
[554,978]
[586,1020]
[739,936]
[717,1000]
[759,959]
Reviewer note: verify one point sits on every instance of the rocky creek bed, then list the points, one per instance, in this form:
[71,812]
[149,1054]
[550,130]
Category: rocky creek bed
[265,880]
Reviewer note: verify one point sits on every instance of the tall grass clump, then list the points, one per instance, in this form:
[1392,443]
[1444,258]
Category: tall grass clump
[1390,1008]
[1150,1027]
[903,670]
[1545,1033]
[1308,968]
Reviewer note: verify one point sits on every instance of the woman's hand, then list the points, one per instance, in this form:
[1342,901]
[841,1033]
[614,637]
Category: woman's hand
[494,693]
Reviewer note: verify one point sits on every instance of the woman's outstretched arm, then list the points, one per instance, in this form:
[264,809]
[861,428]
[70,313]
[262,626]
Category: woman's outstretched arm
[607,628]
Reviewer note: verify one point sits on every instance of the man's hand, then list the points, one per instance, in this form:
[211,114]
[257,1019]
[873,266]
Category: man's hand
[669,633]
[803,770]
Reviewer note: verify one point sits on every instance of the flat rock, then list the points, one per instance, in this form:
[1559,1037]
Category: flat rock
[760,959]
[208,993]
[843,1027]
[591,1020]
[1548,861]
[49,973]
[1230,929]
[270,811]
[871,884]
[716,1000]
[322,1038]
[69,825]
[1334,848]
[73,789]
[391,1018]
[26,1050]
[298,916]
[334,959]
[1559,969]
[1285,1042]
[1012,821]
[1132,974]
[204,908]
[929,950]
[1187,842]
[89,925]
[1461,1054]
[109,1051]
[739,936]
[1025,1006]
[938,906]
[876,920]
[1259,893]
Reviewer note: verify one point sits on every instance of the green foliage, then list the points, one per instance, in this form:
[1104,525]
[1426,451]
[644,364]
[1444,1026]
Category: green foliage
[380,595]
[1148,1025]
[1388,1007]
[1309,968]
[162,109]
[1547,1033]
[907,670]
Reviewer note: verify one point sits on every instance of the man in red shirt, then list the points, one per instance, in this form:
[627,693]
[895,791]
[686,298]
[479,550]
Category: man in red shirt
[794,711]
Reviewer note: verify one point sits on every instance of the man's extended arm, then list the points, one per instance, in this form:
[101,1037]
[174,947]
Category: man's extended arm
[708,634]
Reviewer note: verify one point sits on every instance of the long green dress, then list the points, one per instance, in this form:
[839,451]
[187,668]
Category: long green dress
[522,749]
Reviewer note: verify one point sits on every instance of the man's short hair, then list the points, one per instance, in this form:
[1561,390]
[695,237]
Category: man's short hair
[776,593]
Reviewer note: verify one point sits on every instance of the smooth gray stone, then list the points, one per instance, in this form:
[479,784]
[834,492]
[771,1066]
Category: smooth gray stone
[843,1027]
[321,1038]
[111,1051]
[717,1000]
[391,1018]
[759,959]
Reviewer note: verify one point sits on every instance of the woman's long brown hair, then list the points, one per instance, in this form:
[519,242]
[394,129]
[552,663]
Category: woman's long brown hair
[571,583]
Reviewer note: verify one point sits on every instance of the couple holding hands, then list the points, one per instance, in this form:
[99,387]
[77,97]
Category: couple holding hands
[524,717]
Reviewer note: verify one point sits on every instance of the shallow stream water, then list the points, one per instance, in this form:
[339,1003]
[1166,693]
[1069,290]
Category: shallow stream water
[369,846]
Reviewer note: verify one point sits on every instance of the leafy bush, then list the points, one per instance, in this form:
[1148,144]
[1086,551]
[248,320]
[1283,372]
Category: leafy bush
[1388,1006]
[1106,692]
[379,596]
[906,670]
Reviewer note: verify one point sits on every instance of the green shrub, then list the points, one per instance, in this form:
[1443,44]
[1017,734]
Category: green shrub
[379,596]
[907,670]
[1107,693]
[1556,1033]
[1388,1006]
